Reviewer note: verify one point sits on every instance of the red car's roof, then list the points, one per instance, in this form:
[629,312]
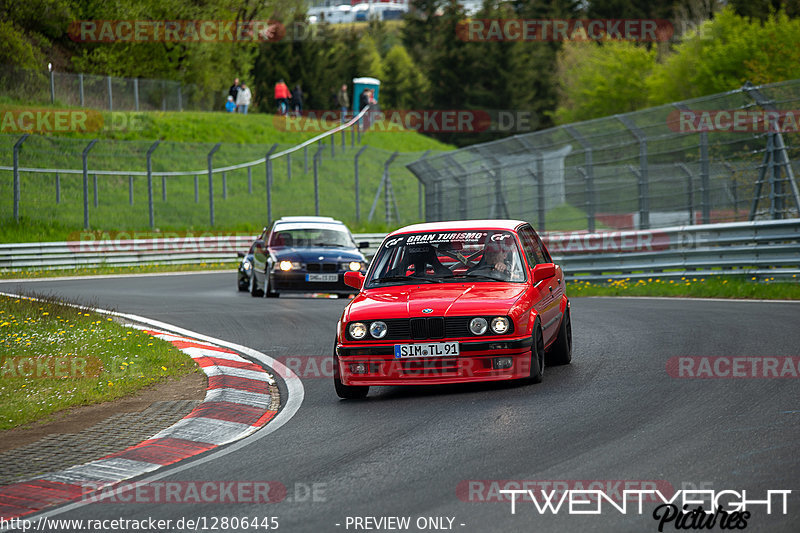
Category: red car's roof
[452,225]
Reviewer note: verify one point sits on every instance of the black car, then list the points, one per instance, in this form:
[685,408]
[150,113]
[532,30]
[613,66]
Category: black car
[301,254]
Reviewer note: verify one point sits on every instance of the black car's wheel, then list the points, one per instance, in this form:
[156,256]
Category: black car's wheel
[537,355]
[255,292]
[267,291]
[347,392]
[243,284]
[560,352]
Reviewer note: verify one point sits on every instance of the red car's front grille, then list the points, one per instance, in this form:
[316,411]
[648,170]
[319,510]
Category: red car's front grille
[427,328]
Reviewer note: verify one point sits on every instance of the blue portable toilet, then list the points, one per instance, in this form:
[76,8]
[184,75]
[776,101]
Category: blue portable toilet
[359,84]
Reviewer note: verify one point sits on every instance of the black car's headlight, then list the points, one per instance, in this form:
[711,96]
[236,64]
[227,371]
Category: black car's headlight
[500,325]
[357,330]
[288,265]
[246,265]
[353,266]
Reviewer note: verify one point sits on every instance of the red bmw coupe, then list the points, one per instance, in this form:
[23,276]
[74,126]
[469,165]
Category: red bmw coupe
[453,302]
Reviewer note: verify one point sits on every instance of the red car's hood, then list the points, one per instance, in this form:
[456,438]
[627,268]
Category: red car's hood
[446,299]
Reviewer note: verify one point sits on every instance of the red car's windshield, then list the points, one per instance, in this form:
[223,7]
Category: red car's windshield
[438,257]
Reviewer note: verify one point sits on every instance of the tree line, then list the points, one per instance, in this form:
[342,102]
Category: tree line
[422,62]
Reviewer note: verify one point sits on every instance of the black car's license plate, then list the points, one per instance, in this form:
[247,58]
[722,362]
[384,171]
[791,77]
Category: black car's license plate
[322,277]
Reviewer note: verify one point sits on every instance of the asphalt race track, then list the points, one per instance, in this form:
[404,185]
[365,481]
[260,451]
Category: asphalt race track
[614,414]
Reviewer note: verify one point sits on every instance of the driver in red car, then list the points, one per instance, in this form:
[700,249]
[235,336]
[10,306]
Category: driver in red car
[496,261]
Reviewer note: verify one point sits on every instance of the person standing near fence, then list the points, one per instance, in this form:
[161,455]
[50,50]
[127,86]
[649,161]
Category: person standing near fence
[297,100]
[243,99]
[282,96]
[234,90]
[343,99]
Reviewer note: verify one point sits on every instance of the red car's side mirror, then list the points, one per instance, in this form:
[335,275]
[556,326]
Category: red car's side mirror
[354,279]
[543,271]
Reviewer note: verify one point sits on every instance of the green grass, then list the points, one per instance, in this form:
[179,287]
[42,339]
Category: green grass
[153,268]
[187,139]
[697,287]
[55,356]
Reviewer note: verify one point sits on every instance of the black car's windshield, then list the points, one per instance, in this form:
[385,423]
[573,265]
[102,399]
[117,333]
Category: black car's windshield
[311,237]
[489,255]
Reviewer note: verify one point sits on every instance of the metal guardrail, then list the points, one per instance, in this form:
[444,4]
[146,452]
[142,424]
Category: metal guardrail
[134,252]
[768,248]
[761,249]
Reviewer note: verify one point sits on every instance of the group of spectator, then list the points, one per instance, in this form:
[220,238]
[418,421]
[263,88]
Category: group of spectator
[239,98]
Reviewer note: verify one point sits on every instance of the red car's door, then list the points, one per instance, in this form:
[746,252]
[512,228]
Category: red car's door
[549,290]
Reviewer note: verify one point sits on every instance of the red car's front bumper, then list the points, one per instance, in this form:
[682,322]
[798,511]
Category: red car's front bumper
[474,363]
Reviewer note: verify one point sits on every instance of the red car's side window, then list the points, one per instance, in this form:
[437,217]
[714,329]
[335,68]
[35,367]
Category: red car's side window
[534,251]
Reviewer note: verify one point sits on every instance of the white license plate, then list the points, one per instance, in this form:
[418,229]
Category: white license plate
[431,349]
[322,277]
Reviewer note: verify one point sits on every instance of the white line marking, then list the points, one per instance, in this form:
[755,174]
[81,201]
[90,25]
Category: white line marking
[680,298]
[110,276]
[295,393]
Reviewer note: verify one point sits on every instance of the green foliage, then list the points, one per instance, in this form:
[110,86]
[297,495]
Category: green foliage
[404,83]
[724,53]
[598,80]
[369,59]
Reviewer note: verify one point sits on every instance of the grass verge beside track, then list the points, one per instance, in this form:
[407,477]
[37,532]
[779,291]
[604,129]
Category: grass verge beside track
[54,356]
[100,271]
[695,287]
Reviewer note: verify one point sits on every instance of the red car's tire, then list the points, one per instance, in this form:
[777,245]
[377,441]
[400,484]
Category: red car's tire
[346,392]
[560,353]
[537,355]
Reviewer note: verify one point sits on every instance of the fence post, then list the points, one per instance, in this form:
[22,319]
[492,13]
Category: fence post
[305,159]
[388,193]
[80,86]
[130,190]
[52,87]
[358,200]
[249,180]
[540,208]
[333,146]
[196,189]
[149,158]
[353,135]
[317,156]
[211,182]
[17,146]
[689,191]
[344,141]
[94,190]
[85,158]
[268,167]
[644,186]
[588,176]
[705,186]
[163,96]
[163,188]
[420,192]
[224,185]
[110,97]
[58,188]
[180,99]
[289,167]
[136,93]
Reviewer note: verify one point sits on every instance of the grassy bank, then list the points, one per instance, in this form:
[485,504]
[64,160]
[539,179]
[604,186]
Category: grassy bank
[54,356]
[187,138]
[108,270]
[697,287]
